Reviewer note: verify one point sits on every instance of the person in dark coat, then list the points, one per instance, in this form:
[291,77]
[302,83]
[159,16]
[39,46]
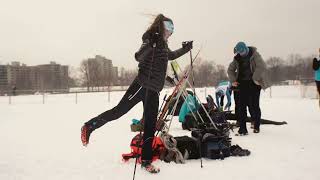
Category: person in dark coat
[249,72]
[153,57]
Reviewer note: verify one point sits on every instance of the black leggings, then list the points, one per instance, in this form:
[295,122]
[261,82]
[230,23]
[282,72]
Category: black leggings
[133,96]
[318,86]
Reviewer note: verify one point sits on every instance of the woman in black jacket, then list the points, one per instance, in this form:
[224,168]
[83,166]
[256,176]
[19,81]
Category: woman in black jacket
[153,57]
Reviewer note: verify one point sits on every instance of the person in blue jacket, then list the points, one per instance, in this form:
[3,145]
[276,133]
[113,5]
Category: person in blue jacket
[223,89]
[316,68]
[189,105]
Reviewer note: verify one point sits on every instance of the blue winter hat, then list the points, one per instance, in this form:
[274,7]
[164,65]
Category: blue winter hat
[241,48]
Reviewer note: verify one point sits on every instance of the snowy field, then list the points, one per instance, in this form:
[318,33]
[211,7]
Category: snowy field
[42,141]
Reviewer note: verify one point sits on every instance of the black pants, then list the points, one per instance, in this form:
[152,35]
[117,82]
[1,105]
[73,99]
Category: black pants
[236,96]
[134,95]
[222,98]
[249,97]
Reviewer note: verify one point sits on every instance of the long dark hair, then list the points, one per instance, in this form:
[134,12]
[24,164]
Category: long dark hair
[157,25]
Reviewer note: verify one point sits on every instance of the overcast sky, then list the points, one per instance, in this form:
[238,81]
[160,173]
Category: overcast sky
[68,31]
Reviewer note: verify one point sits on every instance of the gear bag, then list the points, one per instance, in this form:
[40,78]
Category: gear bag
[136,148]
[215,144]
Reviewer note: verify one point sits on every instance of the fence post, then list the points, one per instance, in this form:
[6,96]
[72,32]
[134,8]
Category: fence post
[270,92]
[108,93]
[76,97]
[205,92]
[43,98]
[9,99]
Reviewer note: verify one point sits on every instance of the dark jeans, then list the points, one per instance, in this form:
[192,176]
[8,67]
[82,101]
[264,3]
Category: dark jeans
[236,96]
[134,95]
[249,97]
[318,86]
[222,98]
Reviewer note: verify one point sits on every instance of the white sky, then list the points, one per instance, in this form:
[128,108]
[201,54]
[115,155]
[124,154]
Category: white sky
[67,31]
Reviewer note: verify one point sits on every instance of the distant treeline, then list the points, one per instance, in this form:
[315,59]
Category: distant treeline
[208,73]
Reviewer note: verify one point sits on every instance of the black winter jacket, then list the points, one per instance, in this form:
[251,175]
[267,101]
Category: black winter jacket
[315,64]
[154,60]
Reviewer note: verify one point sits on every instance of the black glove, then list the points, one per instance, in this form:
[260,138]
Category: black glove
[234,88]
[188,45]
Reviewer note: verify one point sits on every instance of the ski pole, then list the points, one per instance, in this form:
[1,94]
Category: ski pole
[144,107]
[135,164]
[164,99]
[192,74]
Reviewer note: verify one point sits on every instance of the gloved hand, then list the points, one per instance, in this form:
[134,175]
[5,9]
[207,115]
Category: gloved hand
[188,45]
[233,88]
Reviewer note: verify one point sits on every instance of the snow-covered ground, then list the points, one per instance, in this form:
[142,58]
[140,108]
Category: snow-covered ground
[42,141]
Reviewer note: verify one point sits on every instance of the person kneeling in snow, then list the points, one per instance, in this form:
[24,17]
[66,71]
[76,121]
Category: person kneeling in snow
[189,106]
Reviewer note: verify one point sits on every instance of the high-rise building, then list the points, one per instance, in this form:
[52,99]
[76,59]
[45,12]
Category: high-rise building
[101,71]
[42,77]
[53,76]
[115,76]
[18,76]
[3,78]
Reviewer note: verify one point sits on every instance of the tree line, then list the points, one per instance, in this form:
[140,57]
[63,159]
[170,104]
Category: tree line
[206,73]
[295,67]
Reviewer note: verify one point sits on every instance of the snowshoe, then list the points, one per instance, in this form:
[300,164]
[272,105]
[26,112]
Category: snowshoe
[146,165]
[86,131]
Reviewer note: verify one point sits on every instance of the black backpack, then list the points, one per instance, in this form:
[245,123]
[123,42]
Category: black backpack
[215,147]
[215,144]
[189,145]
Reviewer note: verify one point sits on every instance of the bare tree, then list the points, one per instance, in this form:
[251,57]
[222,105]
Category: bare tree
[276,69]
[221,73]
[296,67]
[84,70]
[73,79]
[127,77]
[208,73]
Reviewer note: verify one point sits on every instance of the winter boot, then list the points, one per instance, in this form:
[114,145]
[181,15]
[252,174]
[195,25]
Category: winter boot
[86,131]
[242,133]
[256,130]
[146,165]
